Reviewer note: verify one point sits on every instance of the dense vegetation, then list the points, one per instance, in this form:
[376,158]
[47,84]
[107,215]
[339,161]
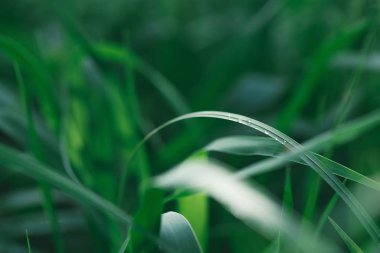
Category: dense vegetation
[138,126]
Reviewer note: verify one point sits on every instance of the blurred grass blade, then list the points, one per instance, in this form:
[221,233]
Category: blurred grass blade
[317,67]
[35,147]
[233,58]
[246,146]
[214,179]
[176,233]
[245,202]
[39,76]
[125,244]
[354,248]
[111,52]
[27,165]
[296,150]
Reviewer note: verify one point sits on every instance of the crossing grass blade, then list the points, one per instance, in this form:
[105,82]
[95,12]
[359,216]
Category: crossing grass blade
[296,150]
[265,146]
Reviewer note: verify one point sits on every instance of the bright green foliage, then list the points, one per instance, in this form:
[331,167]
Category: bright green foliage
[192,126]
[196,210]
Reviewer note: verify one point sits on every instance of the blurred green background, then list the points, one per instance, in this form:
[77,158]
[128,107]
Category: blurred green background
[81,82]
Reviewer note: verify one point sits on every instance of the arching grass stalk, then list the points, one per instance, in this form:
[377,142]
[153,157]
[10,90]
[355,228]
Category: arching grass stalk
[310,159]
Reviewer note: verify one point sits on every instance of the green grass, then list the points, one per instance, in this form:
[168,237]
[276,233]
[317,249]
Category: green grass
[189,126]
[28,242]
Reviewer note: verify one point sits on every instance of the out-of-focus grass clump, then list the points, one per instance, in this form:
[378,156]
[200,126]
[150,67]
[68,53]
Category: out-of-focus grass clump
[83,82]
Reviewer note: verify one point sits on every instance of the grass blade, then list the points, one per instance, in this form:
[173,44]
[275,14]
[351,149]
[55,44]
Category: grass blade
[265,146]
[196,210]
[167,89]
[25,164]
[39,76]
[354,248]
[318,66]
[35,147]
[28,242]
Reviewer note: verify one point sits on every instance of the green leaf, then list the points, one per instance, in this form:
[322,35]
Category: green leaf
[177,234]
[196,210]
[354,248]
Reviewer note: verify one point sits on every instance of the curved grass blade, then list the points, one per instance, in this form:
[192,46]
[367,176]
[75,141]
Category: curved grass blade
[177,233]
[25,164]
[354,248]
[297,150]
